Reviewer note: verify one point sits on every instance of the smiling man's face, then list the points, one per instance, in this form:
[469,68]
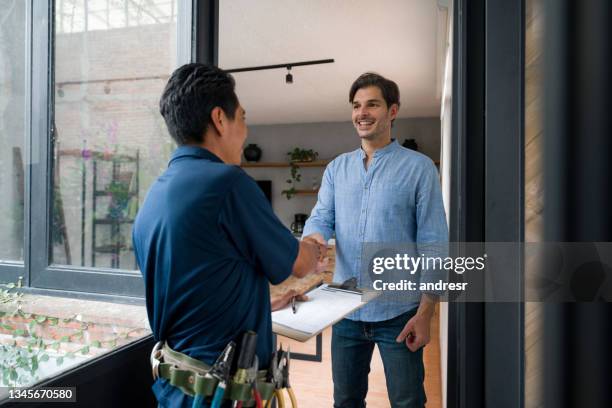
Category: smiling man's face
[371,115]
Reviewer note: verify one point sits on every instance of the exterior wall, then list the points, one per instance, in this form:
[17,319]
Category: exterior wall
[108,84]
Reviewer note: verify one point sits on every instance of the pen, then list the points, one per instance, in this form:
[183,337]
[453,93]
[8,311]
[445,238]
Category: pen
[293,305]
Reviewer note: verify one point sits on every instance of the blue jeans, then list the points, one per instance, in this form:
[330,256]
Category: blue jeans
[352,347]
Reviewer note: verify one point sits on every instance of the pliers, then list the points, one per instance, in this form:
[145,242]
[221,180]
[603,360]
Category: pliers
[221,371]
[278,373]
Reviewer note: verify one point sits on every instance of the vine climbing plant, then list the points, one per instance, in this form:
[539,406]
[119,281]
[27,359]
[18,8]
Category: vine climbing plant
[27,346]
[296,156]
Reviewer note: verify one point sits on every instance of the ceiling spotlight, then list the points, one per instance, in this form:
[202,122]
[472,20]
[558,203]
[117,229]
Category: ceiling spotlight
[289,77]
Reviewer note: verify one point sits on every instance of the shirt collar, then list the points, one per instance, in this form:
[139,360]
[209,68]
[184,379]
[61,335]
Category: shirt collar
[193,151]
[381,152]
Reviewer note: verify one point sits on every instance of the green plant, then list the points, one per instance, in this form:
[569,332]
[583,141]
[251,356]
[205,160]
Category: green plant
[296,156]
[19,364]
[302,155]
[120,196]
[21,357]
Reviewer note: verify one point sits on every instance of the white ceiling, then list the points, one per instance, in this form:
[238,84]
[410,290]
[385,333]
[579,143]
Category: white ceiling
[396,38]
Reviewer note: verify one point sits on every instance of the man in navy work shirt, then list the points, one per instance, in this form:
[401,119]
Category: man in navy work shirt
[206,239]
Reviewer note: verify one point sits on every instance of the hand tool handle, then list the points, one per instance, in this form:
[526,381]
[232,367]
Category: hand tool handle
[218,397]
[247,350]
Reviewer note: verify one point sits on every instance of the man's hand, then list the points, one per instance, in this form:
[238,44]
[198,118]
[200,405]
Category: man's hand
[322,265]
[282,301]
[416,332]
[310,257]
[318,239]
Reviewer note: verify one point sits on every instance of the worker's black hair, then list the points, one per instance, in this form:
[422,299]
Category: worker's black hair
[190,95]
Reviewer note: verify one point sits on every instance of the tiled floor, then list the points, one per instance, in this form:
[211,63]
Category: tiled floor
[312,381]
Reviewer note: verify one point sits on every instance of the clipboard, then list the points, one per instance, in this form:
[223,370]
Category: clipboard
[327,304]
[348,285]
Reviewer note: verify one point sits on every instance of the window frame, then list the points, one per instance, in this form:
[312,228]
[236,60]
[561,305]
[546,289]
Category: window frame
[488,146]
[13,270]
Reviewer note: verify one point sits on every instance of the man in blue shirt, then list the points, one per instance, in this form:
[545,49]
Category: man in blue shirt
[206,239]
[379,193]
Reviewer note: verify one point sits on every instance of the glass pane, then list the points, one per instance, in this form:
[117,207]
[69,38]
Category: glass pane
[41,336]
[12,127]
[112,60]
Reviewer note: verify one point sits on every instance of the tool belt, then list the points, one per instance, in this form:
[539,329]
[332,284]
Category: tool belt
[190,376]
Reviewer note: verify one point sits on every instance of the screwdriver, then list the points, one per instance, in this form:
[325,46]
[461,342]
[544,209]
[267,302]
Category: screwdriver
[245,359]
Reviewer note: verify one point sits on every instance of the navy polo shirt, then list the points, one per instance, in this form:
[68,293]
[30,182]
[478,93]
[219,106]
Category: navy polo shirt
[208,244]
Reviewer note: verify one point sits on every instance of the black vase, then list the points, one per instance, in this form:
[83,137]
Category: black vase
[410,144]
[252,153]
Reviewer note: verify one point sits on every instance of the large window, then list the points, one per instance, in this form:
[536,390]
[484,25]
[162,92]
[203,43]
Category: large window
[12,128]
[112,60]
[81,141]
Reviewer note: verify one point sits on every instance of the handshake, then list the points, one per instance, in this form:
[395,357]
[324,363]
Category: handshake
[312,256]
[311,259]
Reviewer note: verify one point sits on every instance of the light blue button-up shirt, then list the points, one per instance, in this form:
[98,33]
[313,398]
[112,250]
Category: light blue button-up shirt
[397,199]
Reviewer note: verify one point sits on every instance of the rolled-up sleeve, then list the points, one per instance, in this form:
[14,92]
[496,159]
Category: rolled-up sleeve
[322,217]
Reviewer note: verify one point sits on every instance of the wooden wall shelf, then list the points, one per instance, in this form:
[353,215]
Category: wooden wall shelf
[315,163]
[306,192]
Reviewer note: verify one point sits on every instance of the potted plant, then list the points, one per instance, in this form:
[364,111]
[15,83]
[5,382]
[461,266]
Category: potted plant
[302,155]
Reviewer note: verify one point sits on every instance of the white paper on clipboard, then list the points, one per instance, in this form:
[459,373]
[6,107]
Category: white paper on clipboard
[325,307]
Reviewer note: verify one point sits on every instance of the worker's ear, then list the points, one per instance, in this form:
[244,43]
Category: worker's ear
[219,120]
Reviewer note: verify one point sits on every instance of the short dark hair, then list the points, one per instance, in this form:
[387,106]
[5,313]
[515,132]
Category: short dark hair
[190,95]
[388,88]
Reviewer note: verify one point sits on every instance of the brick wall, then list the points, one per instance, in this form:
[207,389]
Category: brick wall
[118,115]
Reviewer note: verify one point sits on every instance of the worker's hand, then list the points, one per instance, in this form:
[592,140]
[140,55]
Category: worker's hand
[416,332]
[283,300]
[318,239]
[322,265]
[315,237]
[308,257]
[323,261]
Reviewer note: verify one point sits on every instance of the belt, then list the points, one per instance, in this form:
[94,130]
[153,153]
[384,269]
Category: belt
[190,376]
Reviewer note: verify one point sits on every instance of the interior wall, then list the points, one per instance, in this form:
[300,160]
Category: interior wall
[329,139]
